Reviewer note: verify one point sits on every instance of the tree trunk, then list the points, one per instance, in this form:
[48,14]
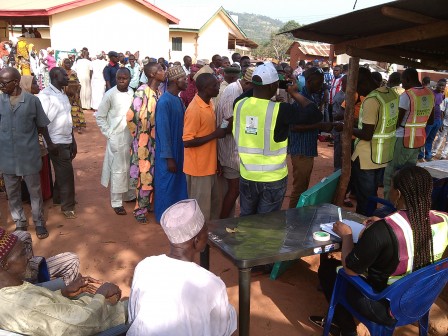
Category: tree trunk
[348,130]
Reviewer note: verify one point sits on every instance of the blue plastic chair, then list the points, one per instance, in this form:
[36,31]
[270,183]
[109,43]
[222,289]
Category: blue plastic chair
[321,192]
[410,297]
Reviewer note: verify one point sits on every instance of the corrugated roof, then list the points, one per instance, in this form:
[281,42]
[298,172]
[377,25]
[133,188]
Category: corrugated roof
[314,48]
[42,8]
[402,31]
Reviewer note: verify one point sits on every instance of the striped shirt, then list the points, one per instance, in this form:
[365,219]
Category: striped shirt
[227,149]
[305,143]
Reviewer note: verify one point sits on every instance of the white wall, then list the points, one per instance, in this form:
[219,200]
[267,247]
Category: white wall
[214,39]
[188,46]
[111,25]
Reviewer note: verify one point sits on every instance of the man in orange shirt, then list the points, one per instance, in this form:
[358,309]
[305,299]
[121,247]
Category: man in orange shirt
[201,159]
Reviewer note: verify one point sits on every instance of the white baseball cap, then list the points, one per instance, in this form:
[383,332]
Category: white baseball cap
[267,73]
[182,221]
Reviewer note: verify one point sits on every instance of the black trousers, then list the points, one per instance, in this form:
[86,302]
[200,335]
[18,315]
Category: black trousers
[376,311]
[64,184]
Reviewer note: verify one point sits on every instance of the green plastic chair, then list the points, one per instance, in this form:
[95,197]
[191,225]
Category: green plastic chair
[322,192]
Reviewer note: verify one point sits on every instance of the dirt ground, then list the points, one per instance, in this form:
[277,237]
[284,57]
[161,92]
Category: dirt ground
[110,246]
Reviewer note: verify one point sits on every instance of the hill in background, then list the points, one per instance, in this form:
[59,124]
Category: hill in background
[258,27]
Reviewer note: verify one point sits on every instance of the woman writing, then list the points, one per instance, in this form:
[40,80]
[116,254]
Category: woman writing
[413,227]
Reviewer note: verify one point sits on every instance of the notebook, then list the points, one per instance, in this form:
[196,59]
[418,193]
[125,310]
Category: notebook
[356,228]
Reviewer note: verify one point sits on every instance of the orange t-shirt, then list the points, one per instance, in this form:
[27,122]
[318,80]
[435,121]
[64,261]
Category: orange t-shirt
[200,120]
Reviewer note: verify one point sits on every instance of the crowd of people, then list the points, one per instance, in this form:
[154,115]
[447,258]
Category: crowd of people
[186,141]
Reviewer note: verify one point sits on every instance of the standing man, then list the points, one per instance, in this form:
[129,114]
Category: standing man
[111,119]
[110,71]
[21,116]
[83,67]
[431,130]
[170,294]
[58,110]
[187,64]
[236,58]
[200,134]
[374,146]
[260,128]
[302,145]
[170,181]
[141,123]
[135,70]
[335,87]
[227,150]
[416,109]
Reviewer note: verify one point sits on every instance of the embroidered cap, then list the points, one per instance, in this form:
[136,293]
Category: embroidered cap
[267,73]
[7,242]
[248,76]
[175,72]
[182,221]
[204,69]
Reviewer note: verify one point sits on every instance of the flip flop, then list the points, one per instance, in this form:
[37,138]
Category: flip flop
[120,211]
[141,219]
[69,214]
[21,228]
[41,232]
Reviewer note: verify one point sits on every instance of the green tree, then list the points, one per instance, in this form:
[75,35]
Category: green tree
[290,25]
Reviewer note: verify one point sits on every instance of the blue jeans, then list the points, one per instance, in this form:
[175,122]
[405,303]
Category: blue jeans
[365,183]
[261,197]
[431,132]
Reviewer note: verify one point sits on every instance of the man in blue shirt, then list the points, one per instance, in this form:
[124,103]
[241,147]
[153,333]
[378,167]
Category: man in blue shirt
[110,71]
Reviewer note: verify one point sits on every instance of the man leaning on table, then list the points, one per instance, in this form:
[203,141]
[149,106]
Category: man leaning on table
[260,128]
[173,296]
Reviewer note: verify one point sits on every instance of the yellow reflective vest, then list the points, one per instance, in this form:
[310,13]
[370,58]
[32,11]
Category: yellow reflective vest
[261,158]
[383,140]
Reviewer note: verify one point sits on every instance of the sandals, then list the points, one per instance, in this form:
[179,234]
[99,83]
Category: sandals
[120,211]
[141,218]
[69,214]
[41,232]
[319,321]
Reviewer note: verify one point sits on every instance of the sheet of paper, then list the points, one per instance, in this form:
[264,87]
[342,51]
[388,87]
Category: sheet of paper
[356,228]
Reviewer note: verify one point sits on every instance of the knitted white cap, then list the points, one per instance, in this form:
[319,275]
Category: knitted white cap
[182,221]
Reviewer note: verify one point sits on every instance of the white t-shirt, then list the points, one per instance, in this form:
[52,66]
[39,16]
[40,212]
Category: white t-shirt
[172,297]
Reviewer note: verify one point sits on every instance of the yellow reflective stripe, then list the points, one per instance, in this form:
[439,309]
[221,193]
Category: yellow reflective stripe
[409,237]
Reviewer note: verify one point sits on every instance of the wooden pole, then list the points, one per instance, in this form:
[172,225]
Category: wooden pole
[347,132]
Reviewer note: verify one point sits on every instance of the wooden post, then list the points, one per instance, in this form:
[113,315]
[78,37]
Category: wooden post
[347,132]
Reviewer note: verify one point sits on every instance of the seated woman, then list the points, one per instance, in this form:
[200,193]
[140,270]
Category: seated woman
[413,227]
[32,310]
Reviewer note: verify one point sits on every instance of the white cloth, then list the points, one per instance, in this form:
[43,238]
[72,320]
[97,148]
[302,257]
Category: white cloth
[58,110]
[83,66]
[172,297]
[111,119]
[227,149]
[135,75]
[98,83]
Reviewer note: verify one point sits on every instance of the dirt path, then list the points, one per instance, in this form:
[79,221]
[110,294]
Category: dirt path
[110,246]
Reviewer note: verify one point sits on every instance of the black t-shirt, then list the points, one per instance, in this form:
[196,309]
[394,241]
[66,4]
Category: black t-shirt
[377,253]
[289,114]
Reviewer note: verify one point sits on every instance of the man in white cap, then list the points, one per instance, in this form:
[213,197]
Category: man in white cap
[260,128]
[170,294]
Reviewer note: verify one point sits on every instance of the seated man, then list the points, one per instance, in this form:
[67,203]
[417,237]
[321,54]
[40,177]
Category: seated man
[63,266]
[170,294]
[32,310]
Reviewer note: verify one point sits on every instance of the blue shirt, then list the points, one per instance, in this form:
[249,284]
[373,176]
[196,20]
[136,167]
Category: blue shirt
[110,73]
[304,143]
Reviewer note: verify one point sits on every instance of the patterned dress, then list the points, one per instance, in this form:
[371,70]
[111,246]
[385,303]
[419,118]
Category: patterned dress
[73,90]
[141,123]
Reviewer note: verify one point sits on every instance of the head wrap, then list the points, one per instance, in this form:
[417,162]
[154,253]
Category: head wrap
[7,242]
[175,72]
[182,221]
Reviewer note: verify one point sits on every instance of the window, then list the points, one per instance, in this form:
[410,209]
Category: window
[176,44]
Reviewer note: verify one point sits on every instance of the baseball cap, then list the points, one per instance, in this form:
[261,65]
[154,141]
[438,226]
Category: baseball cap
[266,72]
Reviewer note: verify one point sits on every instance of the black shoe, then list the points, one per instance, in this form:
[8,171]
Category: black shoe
[319,321]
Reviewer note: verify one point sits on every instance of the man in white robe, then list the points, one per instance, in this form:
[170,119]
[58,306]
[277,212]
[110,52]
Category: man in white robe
[170,294]
[98,83]
[111,118]
[83,68]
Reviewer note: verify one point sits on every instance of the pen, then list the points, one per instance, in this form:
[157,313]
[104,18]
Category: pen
[340,214]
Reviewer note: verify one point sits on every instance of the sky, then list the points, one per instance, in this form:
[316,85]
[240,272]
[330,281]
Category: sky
[302,11]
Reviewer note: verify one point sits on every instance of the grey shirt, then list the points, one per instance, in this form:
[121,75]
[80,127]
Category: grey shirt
[19,142]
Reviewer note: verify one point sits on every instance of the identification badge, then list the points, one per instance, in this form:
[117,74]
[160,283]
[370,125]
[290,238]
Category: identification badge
[251,125]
